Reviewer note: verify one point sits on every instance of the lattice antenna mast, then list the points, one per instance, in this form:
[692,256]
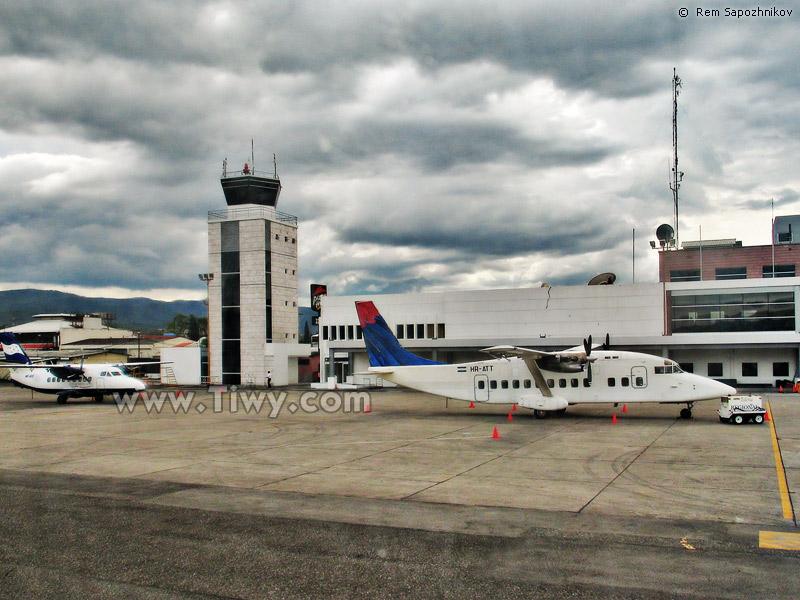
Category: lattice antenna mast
[676,175]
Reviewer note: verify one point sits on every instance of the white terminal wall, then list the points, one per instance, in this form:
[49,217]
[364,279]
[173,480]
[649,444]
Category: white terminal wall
[559,317]
[568,312]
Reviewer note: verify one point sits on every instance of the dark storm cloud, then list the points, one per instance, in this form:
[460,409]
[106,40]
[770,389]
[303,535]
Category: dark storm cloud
[489,228]
[424,145]
[583,45]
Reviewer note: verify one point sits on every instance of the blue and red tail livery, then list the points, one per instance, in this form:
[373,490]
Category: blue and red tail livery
[382,346]
[13,351]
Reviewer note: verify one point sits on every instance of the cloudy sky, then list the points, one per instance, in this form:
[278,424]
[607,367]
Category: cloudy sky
[424,146]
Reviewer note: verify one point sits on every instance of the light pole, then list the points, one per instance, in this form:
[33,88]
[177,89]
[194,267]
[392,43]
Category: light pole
[207,277]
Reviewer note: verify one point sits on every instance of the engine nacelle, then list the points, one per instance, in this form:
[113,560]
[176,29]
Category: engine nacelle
[552,403]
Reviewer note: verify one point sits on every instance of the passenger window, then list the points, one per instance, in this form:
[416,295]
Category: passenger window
[625,382]
[481,384]
[515,384]
[612,382]
[504,384]
[493,384]
[586,383]
[562,383]
[573,383]
[527,384]
[639,381]
[550,383]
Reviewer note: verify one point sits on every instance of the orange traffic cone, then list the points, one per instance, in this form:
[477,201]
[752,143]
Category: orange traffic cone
[514,407]
[495,435]
[624,408]
[766,416]
[796,388]
[614,418]
[780,389]
[368,408]
[510,418]
[472,405]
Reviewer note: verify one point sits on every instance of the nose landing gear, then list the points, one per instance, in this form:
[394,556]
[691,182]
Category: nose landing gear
[686,413]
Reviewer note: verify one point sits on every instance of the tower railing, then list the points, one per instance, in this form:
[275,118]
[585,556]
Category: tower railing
[251,212]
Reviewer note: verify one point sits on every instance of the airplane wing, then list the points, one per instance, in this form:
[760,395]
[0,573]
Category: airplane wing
[506,351]
[60,371]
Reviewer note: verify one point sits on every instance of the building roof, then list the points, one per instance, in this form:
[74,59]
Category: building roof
[42,326]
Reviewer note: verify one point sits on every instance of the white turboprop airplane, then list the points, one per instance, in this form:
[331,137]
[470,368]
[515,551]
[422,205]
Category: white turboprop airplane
[90,380]
[542,381]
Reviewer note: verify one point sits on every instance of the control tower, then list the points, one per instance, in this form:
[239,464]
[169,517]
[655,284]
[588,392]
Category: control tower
[252,284]
[249,186]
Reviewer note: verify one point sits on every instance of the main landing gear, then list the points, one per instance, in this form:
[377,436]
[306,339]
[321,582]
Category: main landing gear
[686,413]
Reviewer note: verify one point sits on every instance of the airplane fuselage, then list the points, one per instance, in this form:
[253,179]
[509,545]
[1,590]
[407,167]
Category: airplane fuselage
[616,377]
[96,381]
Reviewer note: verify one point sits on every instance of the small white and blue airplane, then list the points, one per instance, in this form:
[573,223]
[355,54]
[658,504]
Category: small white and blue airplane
[89,380]
[542,381]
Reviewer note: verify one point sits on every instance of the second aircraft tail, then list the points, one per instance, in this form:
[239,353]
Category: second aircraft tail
[382,346]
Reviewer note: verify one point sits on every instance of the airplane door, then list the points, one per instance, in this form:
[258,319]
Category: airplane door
[481,388]
[639,377]
[101,382]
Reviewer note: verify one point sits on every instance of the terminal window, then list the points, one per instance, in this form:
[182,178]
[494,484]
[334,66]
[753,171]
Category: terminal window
[753,311]
[780,369]
[715,369]
[779,271]
[684,275]
[749,369]
[731,272]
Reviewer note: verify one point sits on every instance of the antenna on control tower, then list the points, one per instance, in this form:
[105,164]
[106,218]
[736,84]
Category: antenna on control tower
[676,175]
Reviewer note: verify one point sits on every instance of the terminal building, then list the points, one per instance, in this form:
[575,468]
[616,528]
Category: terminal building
[252,284]
[720,309]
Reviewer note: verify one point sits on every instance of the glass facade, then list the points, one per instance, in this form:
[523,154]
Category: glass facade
[751,311]
[231,294]
[268,281]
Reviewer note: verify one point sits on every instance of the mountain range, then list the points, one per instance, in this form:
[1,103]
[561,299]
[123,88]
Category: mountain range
[138,314]
[141,314]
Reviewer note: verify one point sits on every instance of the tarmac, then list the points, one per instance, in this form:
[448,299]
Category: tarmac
[419,465]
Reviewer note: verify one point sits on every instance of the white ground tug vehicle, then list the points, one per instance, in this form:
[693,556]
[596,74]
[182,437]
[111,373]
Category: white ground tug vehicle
[741,409]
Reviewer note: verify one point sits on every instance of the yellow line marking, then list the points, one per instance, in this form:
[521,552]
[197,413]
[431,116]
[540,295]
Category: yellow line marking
[685,543]
[779,540]
[783,487]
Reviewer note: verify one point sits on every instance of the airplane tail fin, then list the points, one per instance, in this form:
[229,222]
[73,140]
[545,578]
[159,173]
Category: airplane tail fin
[13,351]
[382,346]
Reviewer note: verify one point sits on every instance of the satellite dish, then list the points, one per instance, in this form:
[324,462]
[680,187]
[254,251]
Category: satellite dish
[603,279]
[665,233]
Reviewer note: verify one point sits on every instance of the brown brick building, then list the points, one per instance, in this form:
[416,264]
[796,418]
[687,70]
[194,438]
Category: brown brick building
[727,259]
